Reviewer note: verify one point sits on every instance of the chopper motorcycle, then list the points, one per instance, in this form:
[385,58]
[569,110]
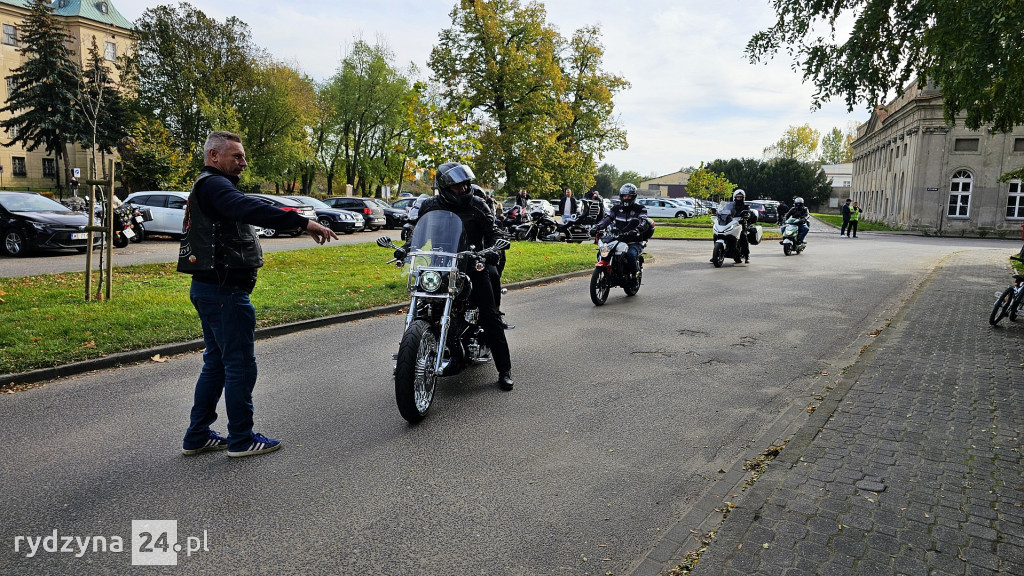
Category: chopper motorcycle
[442,334]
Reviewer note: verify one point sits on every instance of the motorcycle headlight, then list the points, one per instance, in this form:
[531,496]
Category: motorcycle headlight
[430,281]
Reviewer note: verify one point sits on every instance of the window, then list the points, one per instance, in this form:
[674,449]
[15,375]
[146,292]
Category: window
[49,167]
[10,35]
[18,166]
[960,194]
[965,145]
[1015,201]
[12,86]
[1018,144]
[110,51]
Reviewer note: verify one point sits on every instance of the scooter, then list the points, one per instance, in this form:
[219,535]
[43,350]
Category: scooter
[728,229]
[790,233]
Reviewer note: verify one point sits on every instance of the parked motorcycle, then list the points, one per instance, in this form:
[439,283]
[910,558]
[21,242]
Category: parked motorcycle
[727,230]
[442,335]
[128,226]
[612,268]
[539,226]
[576,227]
[510,220]
[790,233]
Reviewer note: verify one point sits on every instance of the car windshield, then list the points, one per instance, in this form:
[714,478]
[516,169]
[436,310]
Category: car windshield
[318,204]
[30,203]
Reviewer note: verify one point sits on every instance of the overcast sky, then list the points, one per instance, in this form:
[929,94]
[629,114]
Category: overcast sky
[694,97]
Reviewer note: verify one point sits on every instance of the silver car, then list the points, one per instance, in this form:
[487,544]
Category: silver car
[167,207]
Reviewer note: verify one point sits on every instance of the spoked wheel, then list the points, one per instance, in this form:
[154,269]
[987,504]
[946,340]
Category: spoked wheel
[1002,307]
[415,379]
[718,256]
[633,288]
[599,286]
[1015,307]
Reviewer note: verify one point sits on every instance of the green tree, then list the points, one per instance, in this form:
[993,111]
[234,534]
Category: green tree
[706,184]
[836,147]
[150,160]
[184,59]
[439,133]
[972,50]
[798,143]
[103,109]
[501,58]
[45,90]
[607,176]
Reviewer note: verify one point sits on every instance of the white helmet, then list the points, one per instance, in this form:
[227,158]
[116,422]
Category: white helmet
[799,201]
[739,192]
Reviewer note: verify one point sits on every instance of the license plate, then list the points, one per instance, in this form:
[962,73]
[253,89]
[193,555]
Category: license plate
[79,235]
[140,219]
[128,233]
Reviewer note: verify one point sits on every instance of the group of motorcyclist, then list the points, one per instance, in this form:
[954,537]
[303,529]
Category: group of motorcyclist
[457,193]
[740,209]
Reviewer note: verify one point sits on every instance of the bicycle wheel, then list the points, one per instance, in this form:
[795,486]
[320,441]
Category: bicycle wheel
[1002,307]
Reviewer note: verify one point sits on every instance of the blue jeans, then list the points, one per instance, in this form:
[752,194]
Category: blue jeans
[229,363]
[632,255]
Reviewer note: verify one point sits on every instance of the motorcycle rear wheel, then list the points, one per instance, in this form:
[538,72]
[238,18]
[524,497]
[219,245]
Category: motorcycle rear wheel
[633,288]
[120,240]
[1002,307]
[415,379]
[1015,307]
[140,234]
[718,256]
[599,286]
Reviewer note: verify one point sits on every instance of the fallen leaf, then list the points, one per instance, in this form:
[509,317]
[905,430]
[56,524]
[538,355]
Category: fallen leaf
[89,344]
[159,358]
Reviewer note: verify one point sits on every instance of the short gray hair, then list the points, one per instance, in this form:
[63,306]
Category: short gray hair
[217,139]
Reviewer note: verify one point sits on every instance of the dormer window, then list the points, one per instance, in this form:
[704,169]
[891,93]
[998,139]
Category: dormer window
[103,7]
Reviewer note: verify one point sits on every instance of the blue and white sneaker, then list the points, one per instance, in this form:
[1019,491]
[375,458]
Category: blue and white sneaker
[213,442]
[259,444]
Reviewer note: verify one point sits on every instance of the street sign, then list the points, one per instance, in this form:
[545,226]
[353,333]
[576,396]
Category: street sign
[78,172]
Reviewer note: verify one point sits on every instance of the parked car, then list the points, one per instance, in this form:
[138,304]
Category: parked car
[167,208]
[336,219]
[691,204]
[30,222]
[393,217]
[404,203]
[665,208]
[290,205]
[767,210]
[373,214]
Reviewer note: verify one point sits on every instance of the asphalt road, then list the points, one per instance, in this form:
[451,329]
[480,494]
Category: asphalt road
[152,250]
[622,419]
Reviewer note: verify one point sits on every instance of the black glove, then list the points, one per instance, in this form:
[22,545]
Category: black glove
[491,258]
[401,253]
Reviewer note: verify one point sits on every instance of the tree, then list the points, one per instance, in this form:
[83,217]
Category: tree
[45,88]
[501,58]
[706,184]
[798,143]
[837,147]
[972,50]
[607,176]
[103,110]
[150,161]
[185,58]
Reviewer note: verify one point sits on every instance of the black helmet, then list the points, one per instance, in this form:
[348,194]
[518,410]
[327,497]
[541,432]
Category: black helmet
[627,194]
[450,174]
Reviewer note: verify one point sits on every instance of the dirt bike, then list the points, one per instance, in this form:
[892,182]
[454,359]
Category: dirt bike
[442,334]
[612,268]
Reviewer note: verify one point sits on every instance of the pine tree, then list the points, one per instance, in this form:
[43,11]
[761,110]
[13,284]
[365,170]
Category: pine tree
[44,89]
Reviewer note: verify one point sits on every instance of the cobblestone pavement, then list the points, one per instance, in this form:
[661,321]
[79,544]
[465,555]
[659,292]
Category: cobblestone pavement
[918,469]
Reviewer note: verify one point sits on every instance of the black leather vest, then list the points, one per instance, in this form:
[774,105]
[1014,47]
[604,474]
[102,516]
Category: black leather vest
[210,244]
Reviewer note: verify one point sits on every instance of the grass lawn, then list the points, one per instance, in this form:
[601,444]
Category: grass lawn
[863,225]
[699,227]
[46,322]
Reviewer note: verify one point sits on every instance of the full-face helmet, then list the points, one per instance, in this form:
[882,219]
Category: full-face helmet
[798,201]
[448,178]
[739,195]
[627,194]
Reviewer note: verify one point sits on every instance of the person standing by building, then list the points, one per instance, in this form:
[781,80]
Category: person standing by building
[854,220]
[220,250]
[846,219]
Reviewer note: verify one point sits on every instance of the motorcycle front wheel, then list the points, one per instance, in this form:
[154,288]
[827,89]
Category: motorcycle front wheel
[1002,307]
[415,378]
[787,249]
[718,256]
[599,286]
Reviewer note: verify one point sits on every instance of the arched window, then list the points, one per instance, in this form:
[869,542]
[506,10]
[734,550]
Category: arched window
[1015,201]
[960,194]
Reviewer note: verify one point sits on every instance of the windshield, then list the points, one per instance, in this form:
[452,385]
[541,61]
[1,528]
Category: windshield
[318,204]
[30,203]
[725,211]
[438,230]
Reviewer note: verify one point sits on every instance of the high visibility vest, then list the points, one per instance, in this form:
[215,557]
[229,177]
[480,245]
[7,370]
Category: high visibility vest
[854,213]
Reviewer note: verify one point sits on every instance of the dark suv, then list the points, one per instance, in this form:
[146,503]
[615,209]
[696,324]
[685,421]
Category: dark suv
[767,210]
[372,213]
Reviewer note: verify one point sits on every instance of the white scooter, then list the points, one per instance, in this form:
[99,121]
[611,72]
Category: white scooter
[728,229]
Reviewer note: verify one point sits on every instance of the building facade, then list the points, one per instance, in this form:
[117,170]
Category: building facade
[913,171]
[668,186]
[85,21]
[840,176]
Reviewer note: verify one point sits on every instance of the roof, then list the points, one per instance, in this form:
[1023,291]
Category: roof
[102,11]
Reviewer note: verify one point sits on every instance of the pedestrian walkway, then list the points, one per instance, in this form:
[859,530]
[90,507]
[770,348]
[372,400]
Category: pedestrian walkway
[918,469]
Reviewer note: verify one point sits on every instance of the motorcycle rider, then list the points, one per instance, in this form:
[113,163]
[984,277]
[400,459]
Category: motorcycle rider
[629,218]
[799,211]
[741,210]
[453,181]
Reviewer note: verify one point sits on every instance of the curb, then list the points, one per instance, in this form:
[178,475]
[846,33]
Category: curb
[145,354]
